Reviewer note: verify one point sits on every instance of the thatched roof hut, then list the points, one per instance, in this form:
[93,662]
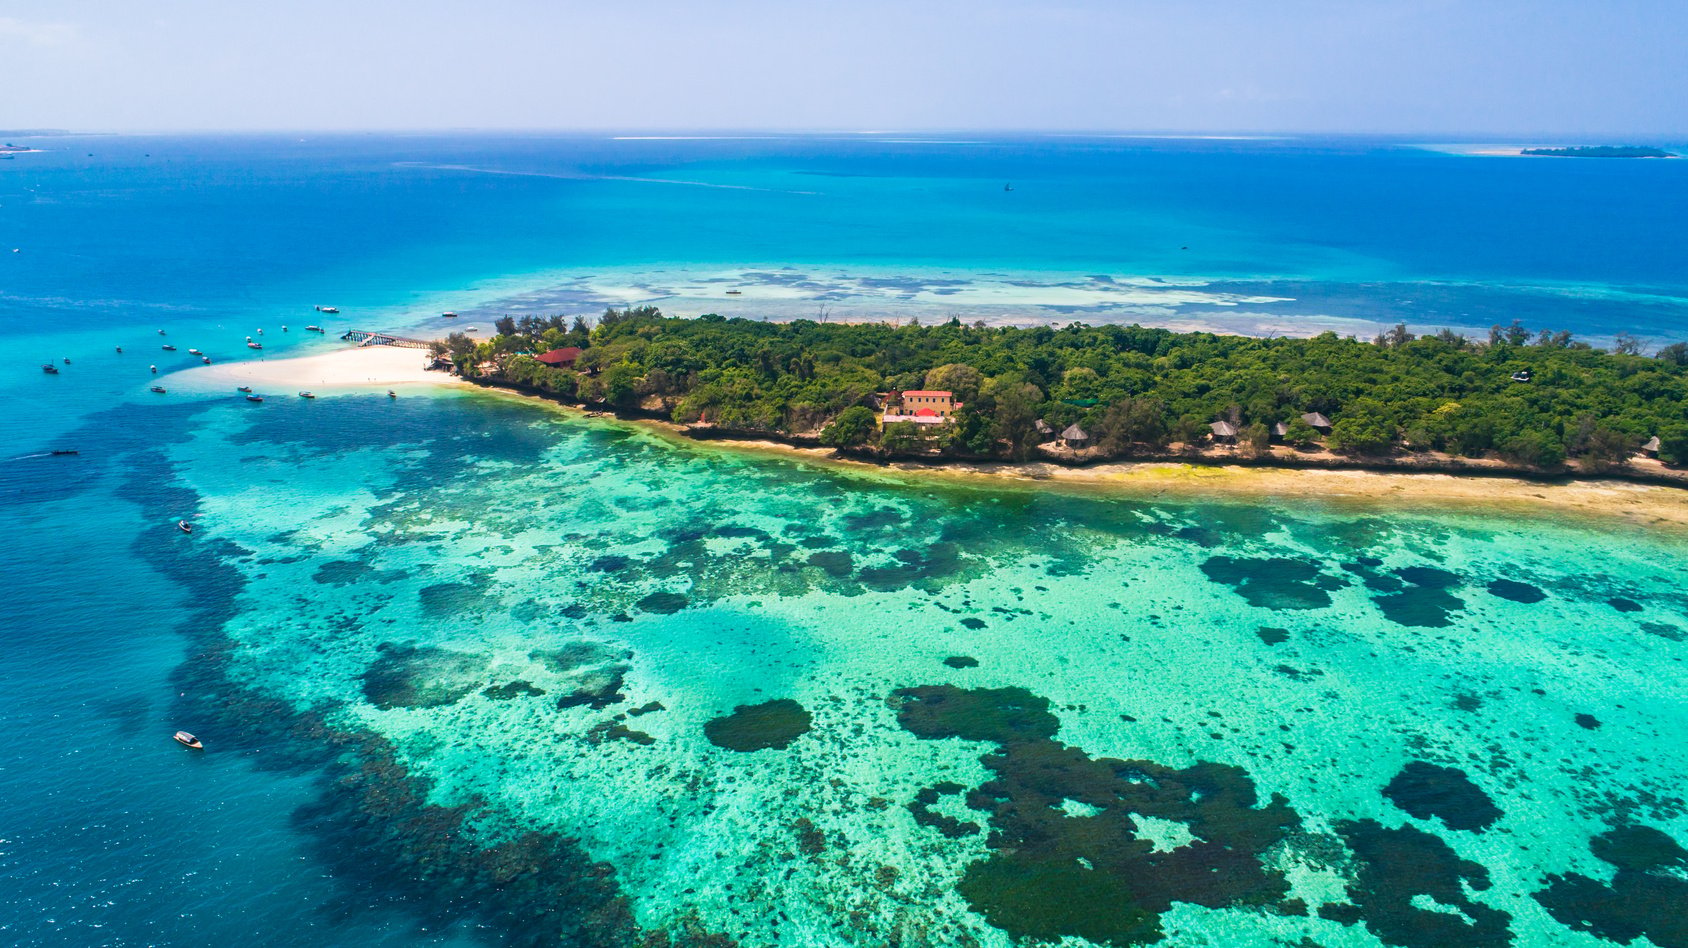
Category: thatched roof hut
[1223,431]
[1316,420]
[1075,437]
[1280,430]
[1043,428]
[1651,448]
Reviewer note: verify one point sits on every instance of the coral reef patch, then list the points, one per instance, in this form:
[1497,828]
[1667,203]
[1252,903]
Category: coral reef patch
[1427,790]
[1648,894]
[771,725]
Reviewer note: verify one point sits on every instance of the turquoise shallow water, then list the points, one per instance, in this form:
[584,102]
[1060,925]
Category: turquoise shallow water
[459,659]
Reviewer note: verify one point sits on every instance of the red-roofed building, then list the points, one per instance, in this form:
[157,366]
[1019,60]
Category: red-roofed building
[922,408]
[560,358]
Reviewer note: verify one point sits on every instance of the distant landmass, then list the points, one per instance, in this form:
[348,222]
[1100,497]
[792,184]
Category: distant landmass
[1600,151]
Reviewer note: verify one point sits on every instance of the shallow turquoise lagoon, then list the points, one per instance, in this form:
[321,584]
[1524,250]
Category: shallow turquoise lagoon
[492,654]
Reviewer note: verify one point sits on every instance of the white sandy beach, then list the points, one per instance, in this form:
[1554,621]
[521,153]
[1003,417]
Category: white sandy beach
[371,366]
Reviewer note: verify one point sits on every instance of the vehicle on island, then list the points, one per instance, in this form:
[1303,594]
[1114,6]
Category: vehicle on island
[188,740]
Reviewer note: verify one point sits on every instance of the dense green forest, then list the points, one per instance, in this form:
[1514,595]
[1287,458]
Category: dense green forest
[1135,390]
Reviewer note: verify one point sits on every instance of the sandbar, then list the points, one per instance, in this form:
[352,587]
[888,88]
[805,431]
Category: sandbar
[369,366]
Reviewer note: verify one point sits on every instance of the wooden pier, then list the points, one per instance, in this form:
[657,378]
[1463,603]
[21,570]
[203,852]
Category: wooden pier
[364,337]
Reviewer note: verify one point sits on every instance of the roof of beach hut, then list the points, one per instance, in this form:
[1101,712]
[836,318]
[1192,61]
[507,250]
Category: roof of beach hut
[1316,420]
[1223,429]
[1279,429]
[1043,427]
[1652,444]
[1075,433]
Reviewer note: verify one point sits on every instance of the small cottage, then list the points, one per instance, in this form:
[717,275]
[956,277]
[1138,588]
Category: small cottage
[1317,421]
[1075,437]
[1280,431]
[1224,432]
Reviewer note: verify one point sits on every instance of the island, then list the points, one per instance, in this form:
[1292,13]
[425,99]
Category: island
[1599,151]
[1515,402]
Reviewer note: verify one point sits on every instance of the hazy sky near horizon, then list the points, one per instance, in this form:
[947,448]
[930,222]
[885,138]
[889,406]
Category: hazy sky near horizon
[1514,67]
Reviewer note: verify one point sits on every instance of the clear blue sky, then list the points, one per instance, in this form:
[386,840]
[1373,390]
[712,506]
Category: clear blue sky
[1513,67]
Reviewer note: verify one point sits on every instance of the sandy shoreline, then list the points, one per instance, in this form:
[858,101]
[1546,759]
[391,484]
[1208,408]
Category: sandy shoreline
[371,366]
[1600,502]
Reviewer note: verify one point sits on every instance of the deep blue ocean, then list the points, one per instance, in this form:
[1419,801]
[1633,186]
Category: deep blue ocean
[117,631]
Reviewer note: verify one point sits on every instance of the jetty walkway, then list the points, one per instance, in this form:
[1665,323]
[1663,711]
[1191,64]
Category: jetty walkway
[364,337]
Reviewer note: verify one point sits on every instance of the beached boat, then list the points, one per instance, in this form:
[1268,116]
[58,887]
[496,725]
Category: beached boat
[158,388]
[315,329]
[169,348]
[184,526]
[254,398]
[188,740]
[50,368]
[205,359]
[245,389]
[254,345]
[307,395]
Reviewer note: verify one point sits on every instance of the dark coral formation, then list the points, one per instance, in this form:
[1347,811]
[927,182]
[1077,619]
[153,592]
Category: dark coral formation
[593,671]
[1274,582]
[1272,636]
[663,603]
[771,725]
[950,827]
[409,676]
[1068,859]
[961,661]
[1420,596]
[1446,793]
[1516,592]
[1397,865]
[1648,895]
[514,689]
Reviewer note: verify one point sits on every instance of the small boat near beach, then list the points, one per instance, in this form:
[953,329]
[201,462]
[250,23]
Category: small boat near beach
[50,368]
[119,350]
[154,369]
[169,348]
[254,345]
[392,394]
[205,359]
[158,389]
[245,389]
[260,332]
[161,332]
[307,395]
[254,398]
[67,360]
[184,526]
[735,292]
[188,740]
[195,352]
[448,315]
[57,452]
[315,329]
[328,309]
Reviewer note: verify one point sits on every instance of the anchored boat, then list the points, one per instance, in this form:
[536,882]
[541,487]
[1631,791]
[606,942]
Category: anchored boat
[188,740]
